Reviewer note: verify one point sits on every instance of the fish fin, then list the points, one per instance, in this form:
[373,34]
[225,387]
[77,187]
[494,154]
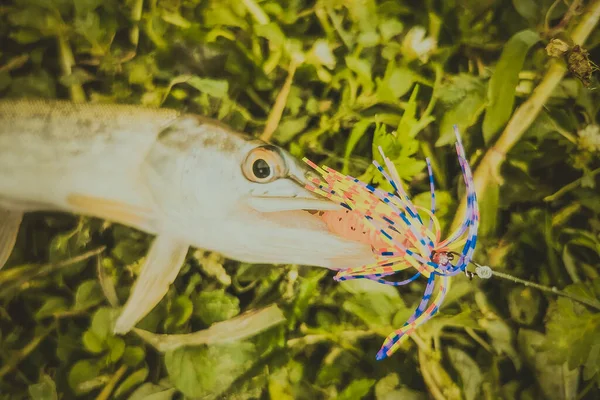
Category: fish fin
[162,264]
[10,221]
[111,210]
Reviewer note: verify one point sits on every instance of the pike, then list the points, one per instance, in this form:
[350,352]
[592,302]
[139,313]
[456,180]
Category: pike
[186,179]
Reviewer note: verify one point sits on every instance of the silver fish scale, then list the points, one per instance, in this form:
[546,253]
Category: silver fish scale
[43,132]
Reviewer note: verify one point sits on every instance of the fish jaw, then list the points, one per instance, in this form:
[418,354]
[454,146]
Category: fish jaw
[301,237]
[281,237]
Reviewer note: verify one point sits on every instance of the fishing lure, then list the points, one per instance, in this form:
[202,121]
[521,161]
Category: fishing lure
[391,223]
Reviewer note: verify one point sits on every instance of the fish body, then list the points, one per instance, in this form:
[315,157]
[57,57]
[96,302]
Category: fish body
[188,180]
[51,152]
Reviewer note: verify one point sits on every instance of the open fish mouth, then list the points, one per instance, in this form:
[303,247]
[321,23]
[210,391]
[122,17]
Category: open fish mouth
[270,204]
[295,212]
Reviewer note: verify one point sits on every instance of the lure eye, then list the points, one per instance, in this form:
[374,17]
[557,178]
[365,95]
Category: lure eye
[263,165]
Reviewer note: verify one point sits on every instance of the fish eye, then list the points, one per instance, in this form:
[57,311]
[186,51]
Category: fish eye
[264,164]
[261,169]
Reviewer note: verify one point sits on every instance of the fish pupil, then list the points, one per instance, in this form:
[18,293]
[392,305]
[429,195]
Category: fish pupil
[261,169]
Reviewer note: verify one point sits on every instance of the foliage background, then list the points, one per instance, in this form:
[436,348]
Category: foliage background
[365,73]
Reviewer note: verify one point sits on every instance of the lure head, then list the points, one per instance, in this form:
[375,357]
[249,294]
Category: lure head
[226,192]
[442,258]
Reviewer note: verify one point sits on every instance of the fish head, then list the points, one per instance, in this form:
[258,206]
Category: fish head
[247,199]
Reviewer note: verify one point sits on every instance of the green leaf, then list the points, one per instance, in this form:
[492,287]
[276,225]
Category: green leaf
[501,93]
[334,366]
[469,372]
[464,101]
[528,9]
[133,355]
[280,385]
[38,84]
[571,332]
[5,79]
[139,73]
[396,82]
[502,339]
[408,119]
[88,294]
[45,389]
[149,391]
[77,77]
[555,380]
[175,19]
[592,365]
[212,87]
[372,302]
[203,371]
[368,39]
[357,389]
[387,141]
[362,69]
[434,327]
[42,20]
[305,294]
[224,16]
[180,311]
[387,389]
[81,374]
[51,306]
[69,244]
[444,204]
[83,7]
[103,322]
[116,347]
[524,305]
[271,32]
[390,28]
[358,130]
[289,128]
[92,342]
[215,306]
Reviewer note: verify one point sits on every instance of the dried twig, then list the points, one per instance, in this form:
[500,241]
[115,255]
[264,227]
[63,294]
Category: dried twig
[488,172]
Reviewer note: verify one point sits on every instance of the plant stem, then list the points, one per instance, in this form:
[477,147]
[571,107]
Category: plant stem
[434,389]
[280,102]
[23,353]
[488,172]
[471,332]
[569,187]
[110,386]
[67,62]
[254,9]
[136,16]
[8,286]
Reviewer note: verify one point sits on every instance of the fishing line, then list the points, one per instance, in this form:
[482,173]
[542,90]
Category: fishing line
[485,272]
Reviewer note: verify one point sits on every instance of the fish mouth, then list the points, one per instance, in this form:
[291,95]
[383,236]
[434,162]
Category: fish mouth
[302,231]
[306,233]
[313,204]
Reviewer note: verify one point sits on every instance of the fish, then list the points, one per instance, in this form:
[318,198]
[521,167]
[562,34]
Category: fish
[188,180]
